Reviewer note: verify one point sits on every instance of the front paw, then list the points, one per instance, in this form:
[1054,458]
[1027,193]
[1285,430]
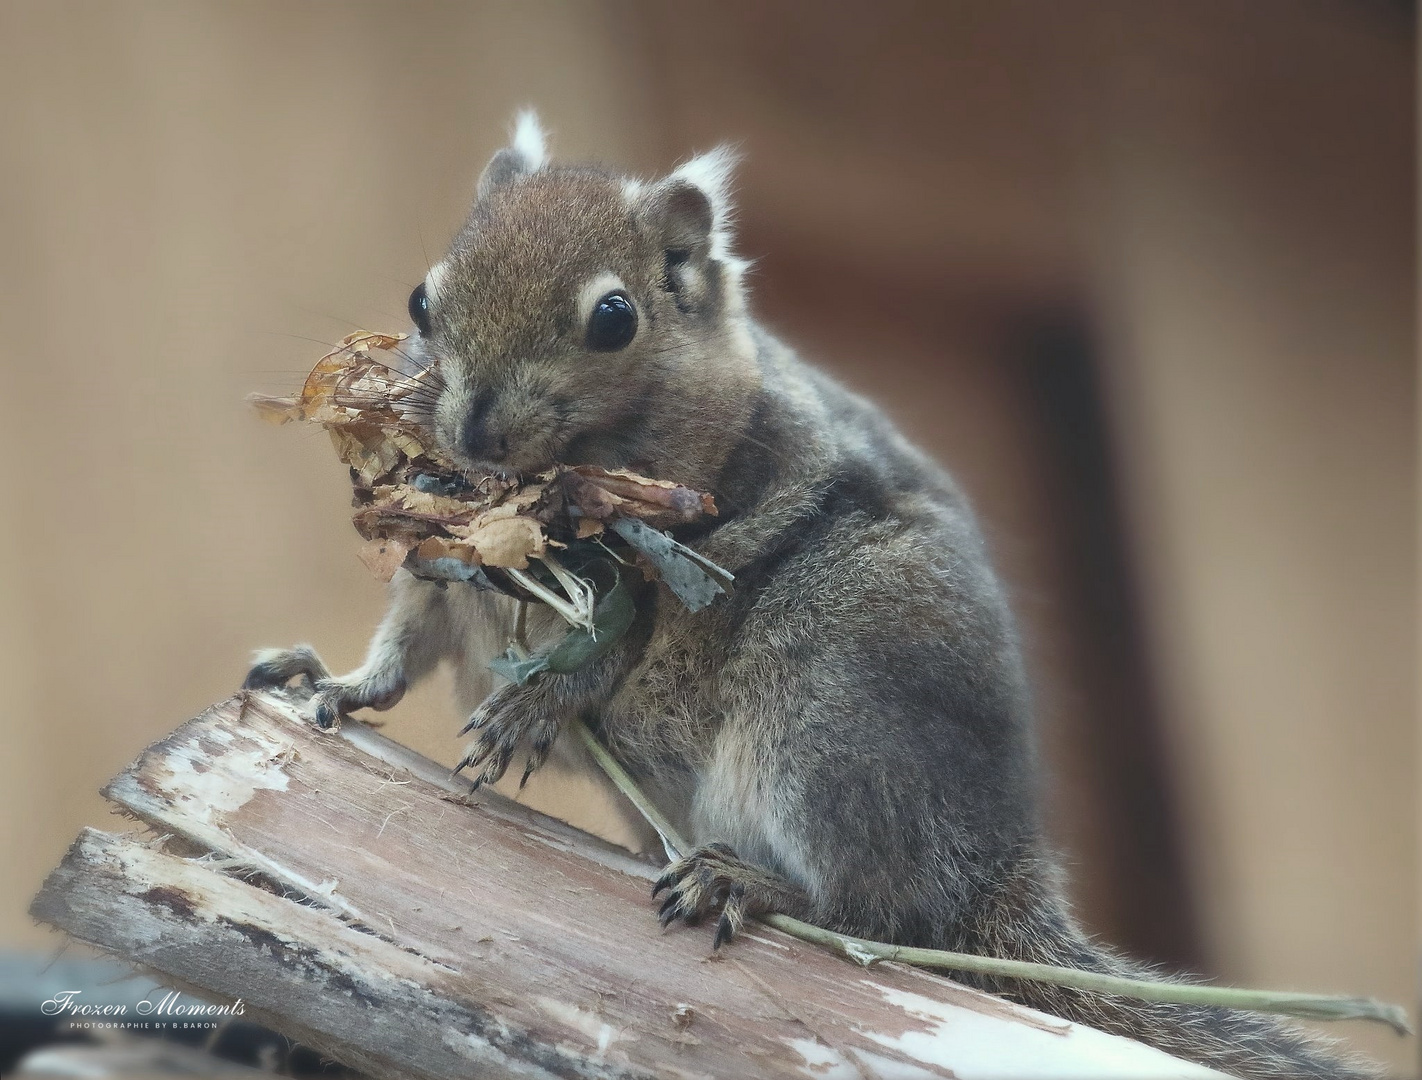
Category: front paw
[509,716]
[709,878]
[335,699]
[332,699]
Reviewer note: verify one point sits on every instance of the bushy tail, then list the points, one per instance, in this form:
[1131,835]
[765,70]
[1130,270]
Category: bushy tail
[1030,921]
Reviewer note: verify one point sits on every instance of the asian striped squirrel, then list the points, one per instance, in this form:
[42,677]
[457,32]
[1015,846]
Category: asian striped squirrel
[848,734]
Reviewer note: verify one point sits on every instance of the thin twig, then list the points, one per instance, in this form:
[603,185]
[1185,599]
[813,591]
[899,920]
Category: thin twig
[520,629]
[672,843]
[578,616]
[862,951]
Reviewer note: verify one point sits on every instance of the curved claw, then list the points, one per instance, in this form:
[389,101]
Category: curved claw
[466,761]
[724,931]
[478,753]
[478,719]
[668,911]
[538,754]
[498,764]
[732,916]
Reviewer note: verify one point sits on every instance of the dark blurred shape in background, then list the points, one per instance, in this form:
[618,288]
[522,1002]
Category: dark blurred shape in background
[1140,274]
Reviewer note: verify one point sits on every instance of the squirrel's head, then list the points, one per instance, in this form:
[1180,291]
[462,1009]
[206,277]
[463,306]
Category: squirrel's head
[587,318]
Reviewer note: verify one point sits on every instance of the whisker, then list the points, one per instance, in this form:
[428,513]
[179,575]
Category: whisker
[327,345]
[433,372]
[425,251]
[411,383]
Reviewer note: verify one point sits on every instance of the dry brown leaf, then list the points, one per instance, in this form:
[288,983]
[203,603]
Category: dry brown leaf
[628,485]
[274,410]
[383,557]
[424,502]
[439,547]
[508,541]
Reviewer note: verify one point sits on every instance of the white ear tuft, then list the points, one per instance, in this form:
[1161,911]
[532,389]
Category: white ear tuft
[529,140]
[526,153]
[711,172]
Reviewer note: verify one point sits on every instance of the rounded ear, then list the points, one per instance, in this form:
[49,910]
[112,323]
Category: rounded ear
[693,205]
[526,153]
[685,216]
[692,213]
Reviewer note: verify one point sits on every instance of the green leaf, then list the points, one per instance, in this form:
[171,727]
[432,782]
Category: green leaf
[516,668]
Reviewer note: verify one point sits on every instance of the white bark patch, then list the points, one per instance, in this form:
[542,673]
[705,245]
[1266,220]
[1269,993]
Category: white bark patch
[824,1062]
[981,1046]
[602,1034]
[210,786]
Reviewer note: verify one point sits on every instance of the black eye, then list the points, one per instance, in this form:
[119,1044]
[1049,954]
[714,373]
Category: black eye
[420,309]
[612,324]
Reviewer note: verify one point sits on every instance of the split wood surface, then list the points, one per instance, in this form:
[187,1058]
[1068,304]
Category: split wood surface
[361,900]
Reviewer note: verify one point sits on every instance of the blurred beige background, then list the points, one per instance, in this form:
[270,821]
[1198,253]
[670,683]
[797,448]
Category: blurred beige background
[1141,274]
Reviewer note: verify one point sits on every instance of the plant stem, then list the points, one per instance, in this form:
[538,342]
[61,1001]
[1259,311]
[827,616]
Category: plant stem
[672,843]
[862,951]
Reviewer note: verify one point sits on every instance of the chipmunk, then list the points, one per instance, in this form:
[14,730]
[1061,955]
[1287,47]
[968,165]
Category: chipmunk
[848,735]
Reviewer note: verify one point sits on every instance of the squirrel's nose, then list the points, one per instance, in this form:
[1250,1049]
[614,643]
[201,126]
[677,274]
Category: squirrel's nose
[477,439]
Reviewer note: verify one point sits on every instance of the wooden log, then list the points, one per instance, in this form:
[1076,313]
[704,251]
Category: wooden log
[356,897]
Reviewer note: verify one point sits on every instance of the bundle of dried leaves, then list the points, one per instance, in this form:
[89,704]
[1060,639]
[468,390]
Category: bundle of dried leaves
[416,509]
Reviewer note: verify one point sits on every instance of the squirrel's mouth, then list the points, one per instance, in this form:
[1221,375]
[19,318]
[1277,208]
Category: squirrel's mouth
[538,443]
[482,471]
[518,457]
